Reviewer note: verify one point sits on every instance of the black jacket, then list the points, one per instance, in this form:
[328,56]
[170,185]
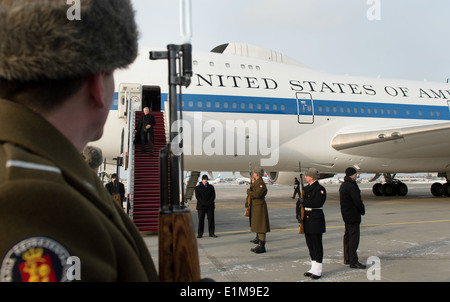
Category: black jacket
[315,197]
[145,120]
[205,196]
[352,206]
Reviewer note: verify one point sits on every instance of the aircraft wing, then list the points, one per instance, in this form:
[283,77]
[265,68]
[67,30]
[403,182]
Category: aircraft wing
[426,141]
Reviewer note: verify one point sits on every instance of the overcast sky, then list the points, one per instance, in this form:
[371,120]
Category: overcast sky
[410,41]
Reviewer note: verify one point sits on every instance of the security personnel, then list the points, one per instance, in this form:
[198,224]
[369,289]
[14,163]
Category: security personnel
[314,222]
[352,207]
[259,215]
[58,222]
[205,195]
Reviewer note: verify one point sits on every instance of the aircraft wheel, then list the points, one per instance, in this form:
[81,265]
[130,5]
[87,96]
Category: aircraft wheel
[388,189]
[446,189]
[437,189]
[402,189]
[377,189]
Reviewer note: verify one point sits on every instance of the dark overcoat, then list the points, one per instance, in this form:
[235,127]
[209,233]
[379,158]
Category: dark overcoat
[352,206]
[205,196]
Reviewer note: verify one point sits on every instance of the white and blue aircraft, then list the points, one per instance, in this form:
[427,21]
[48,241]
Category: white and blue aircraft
[249,106]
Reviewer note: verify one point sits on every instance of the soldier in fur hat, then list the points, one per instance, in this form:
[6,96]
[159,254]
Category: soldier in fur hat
[259,214]
[58,222]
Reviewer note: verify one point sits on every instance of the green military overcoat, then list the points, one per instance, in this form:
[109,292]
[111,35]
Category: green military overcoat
[259,215]
[57,221]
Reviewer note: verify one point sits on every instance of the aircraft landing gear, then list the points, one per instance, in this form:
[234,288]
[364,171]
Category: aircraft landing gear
[439,189]
[391,187]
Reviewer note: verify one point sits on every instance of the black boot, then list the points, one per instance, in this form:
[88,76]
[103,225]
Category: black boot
[255,241]
[260,248]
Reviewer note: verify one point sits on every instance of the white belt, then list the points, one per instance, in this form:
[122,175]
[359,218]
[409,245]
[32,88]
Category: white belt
[310,209]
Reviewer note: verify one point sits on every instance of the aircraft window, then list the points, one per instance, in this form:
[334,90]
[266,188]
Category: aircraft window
[242,66]
[349,110]
[227,65]
[258,68]
[341,109]
[355,109]
[250,105]
[191,104]
[234,105]
[275,107]
[395,111]
[334,109]
[211,64]
[217,105]
[283,107]
[199,104]
[225,105]
[375,110]
[267,107]
[250,67]
[208,104]
[258,106]
[388,111]
[408,112]
[320,108]
[420,113]
[363,110]
[327,108]
[431,113]
[438,113]
[242,105]
[382,111]
[369,110]
[195,62]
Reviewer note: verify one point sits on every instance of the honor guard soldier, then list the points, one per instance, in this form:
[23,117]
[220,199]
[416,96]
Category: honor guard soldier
[58,222]
[314,222]
[259,214]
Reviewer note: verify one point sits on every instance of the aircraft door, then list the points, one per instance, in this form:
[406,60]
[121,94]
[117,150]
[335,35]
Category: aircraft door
[129,92]
[305,108]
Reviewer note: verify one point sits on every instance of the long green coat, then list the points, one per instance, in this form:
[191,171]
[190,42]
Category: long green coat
[259,215]
[56,217]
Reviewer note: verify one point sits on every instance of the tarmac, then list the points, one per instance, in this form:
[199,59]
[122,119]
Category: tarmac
[403,239]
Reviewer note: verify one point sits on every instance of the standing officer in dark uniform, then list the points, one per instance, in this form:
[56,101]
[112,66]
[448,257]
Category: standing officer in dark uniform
[146,130]
[57,221]
[205,195]
[314,222]
[352,208]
